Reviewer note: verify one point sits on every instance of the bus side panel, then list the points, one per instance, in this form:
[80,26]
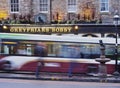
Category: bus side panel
[30,66]
[65,66]
[110,68]
[2,62]
[62,67]
[46,67]
[1,56]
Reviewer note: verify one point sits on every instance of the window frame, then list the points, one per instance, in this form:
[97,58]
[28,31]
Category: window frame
[16,6]
[105,4]
[45,5]
[72,6]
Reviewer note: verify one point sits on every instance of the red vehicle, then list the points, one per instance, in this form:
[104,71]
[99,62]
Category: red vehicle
[17,52]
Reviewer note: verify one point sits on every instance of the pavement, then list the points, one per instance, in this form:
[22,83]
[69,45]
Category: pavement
[60,77]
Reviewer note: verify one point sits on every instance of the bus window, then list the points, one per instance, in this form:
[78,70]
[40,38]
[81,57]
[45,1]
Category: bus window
[25,49]
[90,50]
[57,49]
[53,48]
[29,49]
[7,49]
[109,49]
[21,51]
[64,48]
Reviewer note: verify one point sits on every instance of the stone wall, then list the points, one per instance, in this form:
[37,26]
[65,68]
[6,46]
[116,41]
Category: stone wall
[25,6]
[60,6]
[4,4]
[4,12]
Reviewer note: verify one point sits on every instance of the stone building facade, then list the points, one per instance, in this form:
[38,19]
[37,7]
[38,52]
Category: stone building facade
[69,11]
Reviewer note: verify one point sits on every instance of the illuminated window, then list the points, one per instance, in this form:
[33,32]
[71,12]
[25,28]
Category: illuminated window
[104,5]
[72,5]
[14,5]
[43,5]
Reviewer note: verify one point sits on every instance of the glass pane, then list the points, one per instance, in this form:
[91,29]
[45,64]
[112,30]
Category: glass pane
[12,1]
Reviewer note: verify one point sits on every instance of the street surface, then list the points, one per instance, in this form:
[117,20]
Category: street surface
[19,83]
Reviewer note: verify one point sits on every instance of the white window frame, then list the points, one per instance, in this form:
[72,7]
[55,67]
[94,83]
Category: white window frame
[72,6]
[16,6]
[44,8]
[105,5]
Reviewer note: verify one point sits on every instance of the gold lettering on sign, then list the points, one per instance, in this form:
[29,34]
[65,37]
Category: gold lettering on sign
[41,29]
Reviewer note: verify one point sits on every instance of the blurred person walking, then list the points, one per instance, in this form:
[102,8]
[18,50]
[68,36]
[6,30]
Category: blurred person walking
[74,52]
[41,51]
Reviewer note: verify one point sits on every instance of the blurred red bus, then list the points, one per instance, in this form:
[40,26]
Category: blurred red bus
[17,52]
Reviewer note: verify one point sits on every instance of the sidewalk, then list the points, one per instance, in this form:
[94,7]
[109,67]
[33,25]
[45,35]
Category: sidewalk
[60,77]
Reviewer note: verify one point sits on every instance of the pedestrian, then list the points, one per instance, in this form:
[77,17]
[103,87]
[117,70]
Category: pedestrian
[74,52]
[41,51]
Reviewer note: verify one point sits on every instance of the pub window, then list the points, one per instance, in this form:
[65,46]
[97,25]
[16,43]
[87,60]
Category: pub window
[104,5]
[14,5]
[72,5]
[43,5]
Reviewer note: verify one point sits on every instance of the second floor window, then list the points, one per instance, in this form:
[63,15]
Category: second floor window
[43,5]
[14,5]
[104,5]
[72,5]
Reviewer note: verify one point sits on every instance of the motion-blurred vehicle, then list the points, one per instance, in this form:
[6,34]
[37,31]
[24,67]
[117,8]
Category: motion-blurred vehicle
[17,52]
